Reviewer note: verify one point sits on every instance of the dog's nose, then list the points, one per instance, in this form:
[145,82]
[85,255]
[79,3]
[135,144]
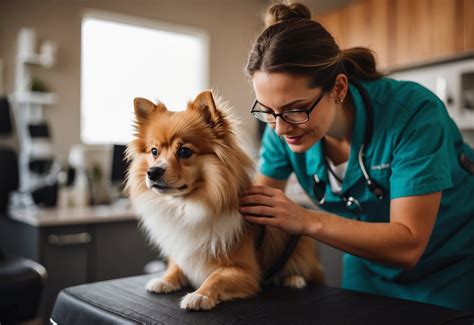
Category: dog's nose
[154,173]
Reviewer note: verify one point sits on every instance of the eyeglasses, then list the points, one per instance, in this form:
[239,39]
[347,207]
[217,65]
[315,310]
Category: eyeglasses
[319,189]
[293,116]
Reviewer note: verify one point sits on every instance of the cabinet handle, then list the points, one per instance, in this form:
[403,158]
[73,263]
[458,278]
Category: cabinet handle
[68,240]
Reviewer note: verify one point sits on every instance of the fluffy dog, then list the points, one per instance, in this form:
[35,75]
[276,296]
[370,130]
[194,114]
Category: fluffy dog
[187,172]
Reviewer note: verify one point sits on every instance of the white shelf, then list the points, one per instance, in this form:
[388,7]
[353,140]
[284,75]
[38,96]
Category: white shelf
[36,59]
[35,97]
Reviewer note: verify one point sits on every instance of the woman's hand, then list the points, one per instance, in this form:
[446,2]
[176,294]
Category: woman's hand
[270,206]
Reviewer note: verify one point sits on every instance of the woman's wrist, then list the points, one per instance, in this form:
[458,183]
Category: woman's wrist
[314,224]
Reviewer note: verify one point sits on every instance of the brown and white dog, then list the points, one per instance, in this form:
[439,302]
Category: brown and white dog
[187,172]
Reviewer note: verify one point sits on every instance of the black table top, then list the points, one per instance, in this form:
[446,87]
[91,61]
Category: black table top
[127,301]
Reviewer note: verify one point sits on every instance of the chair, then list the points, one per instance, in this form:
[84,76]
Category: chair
[21,284]
[21,279]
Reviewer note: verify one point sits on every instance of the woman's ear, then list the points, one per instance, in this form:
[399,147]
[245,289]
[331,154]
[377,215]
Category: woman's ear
[340,89]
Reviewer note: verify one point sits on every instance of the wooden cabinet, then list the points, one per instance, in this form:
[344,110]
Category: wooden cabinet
[426,30]
[404,32]
[468,24]
[363,23]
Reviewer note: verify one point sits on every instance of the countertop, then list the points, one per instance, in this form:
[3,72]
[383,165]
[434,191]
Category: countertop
[39,217]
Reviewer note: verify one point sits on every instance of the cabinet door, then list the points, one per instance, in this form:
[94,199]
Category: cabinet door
[120,250]
[64,255]
[426,30]
[362,23]
[365,24]
[332,21]
[404,32]
[468,24]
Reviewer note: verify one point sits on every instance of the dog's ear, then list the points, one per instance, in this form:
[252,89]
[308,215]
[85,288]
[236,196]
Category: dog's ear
[143,108]
[204,102]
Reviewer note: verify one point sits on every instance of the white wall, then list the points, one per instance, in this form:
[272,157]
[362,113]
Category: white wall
[232,25]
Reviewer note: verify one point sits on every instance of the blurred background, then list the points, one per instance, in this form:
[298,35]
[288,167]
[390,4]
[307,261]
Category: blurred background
[69,70]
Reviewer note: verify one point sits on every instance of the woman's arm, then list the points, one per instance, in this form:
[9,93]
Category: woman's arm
[263,180]
[401,242]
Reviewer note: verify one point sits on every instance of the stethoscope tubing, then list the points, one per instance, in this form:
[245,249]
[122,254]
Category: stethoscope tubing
[375,188]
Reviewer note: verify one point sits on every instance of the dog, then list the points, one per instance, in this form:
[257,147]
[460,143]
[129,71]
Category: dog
[187,171]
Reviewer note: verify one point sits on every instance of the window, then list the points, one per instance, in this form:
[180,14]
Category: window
[124,58]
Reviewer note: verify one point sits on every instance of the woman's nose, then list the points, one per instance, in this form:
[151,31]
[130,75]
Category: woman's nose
[282,127]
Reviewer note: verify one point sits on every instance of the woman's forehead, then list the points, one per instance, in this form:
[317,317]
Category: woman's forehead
[277,89]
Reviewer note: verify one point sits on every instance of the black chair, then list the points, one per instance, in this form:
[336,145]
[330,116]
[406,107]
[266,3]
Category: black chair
[21,284]
[21,279]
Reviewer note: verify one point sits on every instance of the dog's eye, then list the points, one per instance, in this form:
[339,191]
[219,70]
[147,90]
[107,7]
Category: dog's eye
[154,152]
[184,153]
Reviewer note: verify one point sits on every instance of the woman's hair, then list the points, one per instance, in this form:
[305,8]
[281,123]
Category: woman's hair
[294,43]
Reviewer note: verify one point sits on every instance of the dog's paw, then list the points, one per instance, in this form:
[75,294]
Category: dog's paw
[161,286]
[196,301]
[294,281]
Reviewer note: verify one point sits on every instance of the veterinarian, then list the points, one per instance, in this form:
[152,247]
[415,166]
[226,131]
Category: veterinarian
[382,158]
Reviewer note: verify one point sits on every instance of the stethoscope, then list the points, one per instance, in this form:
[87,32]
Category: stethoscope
[351,202]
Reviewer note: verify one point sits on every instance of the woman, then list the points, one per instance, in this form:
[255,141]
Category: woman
[381,157]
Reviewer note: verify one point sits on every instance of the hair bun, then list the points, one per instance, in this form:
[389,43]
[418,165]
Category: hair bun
[281,12]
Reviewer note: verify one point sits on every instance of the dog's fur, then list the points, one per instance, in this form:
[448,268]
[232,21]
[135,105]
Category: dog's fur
[192,213]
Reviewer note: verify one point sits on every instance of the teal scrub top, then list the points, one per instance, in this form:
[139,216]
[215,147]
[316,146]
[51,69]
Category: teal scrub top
[413,150]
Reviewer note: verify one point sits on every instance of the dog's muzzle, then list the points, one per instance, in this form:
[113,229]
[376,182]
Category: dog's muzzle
[155,173]
[156,181]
